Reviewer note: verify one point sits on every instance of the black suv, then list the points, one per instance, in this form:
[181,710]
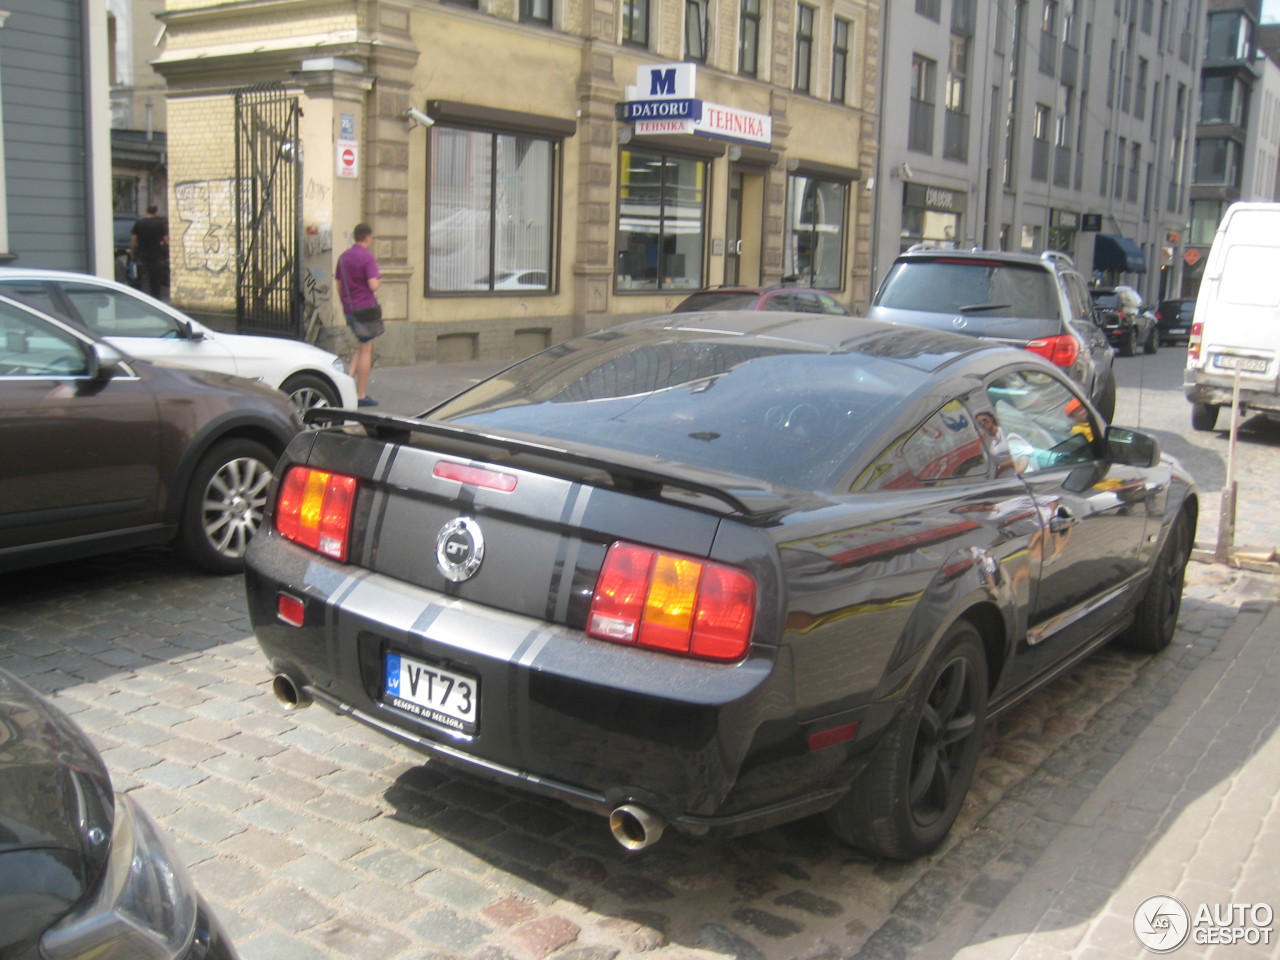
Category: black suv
[1125,319]
[1039,303]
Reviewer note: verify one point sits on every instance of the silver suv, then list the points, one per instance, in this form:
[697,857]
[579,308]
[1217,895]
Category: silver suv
[1039,303]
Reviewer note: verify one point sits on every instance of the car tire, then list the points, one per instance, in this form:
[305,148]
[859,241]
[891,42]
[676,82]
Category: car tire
[904,803]
[225,502]
[306,390]
[1129,343]
[1152,343]
[1204,416]
[1156,616]
[1106,401]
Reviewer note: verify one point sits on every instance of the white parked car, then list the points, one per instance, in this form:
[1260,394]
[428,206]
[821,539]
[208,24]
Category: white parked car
[155,331]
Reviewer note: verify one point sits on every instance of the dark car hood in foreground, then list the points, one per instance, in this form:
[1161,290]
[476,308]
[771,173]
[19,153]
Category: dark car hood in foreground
[55,794]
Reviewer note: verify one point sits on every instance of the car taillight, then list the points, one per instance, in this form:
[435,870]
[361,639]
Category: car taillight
[667,601]
[1193,342]
[314,510]
[1061,351]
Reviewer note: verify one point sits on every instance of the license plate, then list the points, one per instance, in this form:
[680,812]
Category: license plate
[1177,329]
[442,697]
[1247,364]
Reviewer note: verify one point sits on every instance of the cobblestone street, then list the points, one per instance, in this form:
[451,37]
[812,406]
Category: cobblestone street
[315,838]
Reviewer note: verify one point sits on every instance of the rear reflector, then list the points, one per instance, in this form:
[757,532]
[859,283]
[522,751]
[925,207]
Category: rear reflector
[290,609]
[475,476]
[671,602]
[832,735]
[314,510]
[1196,338]
[1061,351]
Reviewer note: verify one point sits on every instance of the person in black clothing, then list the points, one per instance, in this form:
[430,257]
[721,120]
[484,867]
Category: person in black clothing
[149,245]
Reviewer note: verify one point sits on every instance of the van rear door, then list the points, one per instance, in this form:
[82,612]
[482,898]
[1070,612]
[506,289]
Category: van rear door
[1237,316]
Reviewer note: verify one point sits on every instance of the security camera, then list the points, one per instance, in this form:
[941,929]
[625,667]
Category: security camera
[416,116]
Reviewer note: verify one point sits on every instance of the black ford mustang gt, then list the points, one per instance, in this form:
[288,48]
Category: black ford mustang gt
[718,571]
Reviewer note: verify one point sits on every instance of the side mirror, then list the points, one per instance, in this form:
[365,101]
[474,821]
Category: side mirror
[190,331]
[1132,447]
[104,362]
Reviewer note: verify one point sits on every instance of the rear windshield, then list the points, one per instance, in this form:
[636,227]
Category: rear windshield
[778,414]
[1108,301]
[726,300]
[971,286]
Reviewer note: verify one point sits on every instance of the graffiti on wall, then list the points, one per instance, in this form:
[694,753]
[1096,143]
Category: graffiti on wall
[207,211]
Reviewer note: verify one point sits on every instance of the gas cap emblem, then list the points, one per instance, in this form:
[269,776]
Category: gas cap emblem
[459,549]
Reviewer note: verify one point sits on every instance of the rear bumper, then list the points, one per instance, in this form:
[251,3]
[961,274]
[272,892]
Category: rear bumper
[709,747]
[1217,391]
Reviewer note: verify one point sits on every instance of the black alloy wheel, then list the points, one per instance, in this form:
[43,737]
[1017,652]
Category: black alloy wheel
[1156,617]
[904,804]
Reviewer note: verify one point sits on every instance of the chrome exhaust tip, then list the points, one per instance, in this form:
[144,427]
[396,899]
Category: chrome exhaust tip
[635,827]
[290,694]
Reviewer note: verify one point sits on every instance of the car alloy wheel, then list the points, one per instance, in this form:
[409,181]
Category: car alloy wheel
[1156,617]
[307,392]
[906,802]
[225,504]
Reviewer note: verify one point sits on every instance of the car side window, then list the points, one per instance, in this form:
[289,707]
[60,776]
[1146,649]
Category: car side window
[112,313]
[1037,423]
[944,448]
[32,348]
[34,291]
[829,305]
[1078,298]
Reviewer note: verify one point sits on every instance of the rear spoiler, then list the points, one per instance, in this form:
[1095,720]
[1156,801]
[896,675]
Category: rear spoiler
[755,502]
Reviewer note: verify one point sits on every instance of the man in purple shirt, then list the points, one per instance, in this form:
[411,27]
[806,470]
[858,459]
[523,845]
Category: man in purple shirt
[358,280]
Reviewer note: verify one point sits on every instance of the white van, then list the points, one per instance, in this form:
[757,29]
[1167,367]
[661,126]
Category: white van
[1237,318]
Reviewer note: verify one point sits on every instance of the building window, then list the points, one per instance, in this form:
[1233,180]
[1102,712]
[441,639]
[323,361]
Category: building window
[1040,143]
[1222,100]
[924,74]
[492,209]
[749,37]
[1122,149]
[536,11]
[1217,162]
[635,22]
[814,242]
[839,60]
[661,221]
[930,8]
[955,134]
[804,46]
[1230,36]
[1205,217]
[695,30]
[1140,94]
[1135,168]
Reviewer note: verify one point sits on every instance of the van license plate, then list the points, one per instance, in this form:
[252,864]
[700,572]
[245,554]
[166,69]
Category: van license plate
[442,697]
[1247,364]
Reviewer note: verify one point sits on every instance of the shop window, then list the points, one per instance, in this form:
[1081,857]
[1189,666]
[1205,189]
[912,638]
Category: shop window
[635,22]
[492,212]
[662,203]
[814,243]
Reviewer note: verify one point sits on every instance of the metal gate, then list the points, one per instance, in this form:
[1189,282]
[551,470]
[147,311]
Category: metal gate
[268,187]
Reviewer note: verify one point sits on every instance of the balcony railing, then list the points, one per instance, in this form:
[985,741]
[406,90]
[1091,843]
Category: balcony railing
[955,135]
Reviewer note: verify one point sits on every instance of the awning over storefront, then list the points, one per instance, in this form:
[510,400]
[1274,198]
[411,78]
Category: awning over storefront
[1121,254]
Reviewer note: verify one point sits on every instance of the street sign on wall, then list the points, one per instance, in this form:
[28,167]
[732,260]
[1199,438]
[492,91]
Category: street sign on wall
[348,158]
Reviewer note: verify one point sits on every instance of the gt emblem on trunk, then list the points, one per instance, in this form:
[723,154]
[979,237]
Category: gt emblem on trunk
[459,549]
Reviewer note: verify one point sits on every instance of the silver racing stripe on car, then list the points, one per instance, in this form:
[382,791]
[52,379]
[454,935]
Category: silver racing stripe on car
[567,552]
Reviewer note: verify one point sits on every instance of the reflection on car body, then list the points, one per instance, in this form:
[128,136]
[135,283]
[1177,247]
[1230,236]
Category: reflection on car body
[716,571]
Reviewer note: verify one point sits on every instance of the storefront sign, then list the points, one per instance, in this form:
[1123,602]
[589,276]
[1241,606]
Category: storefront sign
[935,198]
[662,101]
[636,110]
[1066,219]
